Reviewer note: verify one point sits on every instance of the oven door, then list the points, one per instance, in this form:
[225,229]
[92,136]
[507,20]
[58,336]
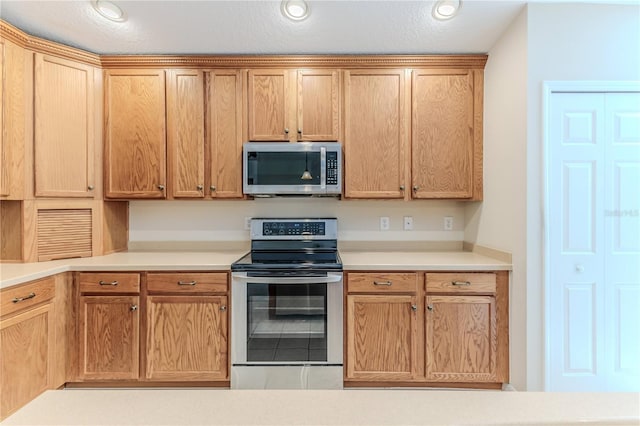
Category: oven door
[285,320]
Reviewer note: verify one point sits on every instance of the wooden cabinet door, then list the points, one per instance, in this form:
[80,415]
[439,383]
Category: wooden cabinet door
[318,105]
[26,351]
[442,134]
[268,94]
[64,135]
[461,339]
[4,170]
[135,152]
[187,338]
[382,338]
[375,145]
[109,337]
[224,115]
[185,133]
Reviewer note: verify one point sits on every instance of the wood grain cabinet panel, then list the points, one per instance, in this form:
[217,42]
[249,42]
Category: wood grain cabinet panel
[109,330]
[461,339]
[224,133]
[109,282]
[185,132]
[21,297]
[26,351]
[373,282]
[187,282]
[318,105]
[442,162]
[375,144]
[382,338]
[187,338]
[64,135]
[135,151]
[268,92]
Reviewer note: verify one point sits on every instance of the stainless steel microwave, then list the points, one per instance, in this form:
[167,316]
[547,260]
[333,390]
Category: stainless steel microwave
[283,168]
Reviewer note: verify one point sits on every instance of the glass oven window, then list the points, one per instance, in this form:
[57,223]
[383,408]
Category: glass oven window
[283,168]
[286,322]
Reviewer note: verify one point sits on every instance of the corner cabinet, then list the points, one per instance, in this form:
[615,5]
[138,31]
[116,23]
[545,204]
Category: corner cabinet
[135,151]
[294,105]
[434,329]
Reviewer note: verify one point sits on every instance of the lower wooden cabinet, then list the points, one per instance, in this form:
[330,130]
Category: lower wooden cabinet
[186,338]
[457,337]
[382,342]
[109,337]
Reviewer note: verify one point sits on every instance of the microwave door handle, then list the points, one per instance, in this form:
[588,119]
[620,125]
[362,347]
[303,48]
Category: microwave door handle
[323,168]
[332,278]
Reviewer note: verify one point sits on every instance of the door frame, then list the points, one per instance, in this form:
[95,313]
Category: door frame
[548,89]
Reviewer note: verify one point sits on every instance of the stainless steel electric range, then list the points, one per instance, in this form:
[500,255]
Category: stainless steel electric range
[286,302]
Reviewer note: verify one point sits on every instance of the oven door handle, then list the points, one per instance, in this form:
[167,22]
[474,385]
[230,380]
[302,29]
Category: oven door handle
[330,278]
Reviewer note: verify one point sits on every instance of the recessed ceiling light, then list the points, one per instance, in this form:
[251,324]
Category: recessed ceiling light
[296,10]
[109,10]
[446,9]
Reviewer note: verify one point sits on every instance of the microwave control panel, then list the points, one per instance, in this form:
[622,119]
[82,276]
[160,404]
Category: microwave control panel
[332,168]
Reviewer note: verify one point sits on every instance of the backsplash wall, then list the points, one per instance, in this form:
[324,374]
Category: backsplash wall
[222,220]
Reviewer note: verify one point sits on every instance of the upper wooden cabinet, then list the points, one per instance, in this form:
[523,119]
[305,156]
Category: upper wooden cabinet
[63,128]
[135,152]
[444,145]
[376,143]
[224,123]
[294,105]
[185,132]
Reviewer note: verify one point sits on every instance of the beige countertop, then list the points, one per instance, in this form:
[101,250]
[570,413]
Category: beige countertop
[326,407]
[17,273]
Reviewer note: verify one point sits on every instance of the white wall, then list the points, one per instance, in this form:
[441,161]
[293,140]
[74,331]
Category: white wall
[221,220]
[499,221]
[546,42]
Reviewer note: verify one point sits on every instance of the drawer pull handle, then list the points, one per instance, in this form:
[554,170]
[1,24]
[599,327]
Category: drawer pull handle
[461,283]
[114,283]
[20,299]
[387,283]
[186,283]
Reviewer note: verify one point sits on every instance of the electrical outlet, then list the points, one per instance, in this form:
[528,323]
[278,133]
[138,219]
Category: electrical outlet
[408,223]
[448,223]
[247,223]
[384,223]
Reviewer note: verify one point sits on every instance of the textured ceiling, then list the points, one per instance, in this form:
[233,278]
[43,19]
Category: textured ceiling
[258,27]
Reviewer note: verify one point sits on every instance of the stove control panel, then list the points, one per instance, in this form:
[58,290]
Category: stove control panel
[293,228]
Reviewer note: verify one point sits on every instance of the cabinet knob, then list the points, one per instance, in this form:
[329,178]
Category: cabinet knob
[212,188]
[134,308]
[90,187]
[286,130]
[401,187]
[200,187]
[414,308]
[415,188]
[430,308]
[161,187]
[223,308]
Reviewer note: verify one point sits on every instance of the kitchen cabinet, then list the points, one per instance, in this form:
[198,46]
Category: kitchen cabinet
[294,105]
[64,111]
[27,343]
[446,154]
[15,117]
[135,148]
[185,133]
[383,329]
[376,144]
[108,326]
[224,133]
[187,327]
[462,343]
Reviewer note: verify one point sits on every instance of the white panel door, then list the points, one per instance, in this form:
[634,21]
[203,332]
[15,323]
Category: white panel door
[593,242]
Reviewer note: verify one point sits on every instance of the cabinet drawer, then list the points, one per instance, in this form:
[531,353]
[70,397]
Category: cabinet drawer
[109,282]
[382,282]
[461,283]
[207,282]
[21,297]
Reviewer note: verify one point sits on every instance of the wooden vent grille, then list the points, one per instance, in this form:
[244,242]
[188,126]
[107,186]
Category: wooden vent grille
[64,233]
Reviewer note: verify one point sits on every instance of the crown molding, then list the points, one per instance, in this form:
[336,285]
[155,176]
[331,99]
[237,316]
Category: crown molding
[40,45]
[294,61]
